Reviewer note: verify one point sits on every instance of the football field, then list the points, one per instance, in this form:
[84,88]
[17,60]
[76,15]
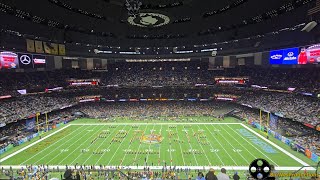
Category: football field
[231,145]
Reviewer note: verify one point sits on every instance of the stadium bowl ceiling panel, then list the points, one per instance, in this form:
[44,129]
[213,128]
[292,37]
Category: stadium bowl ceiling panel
[187,20]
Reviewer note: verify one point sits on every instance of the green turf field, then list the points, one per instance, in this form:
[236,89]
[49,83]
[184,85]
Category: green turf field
[89,142]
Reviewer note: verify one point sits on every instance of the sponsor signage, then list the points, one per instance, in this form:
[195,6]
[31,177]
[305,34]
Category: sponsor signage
[8,60]
[25,61]
[5,97]
[22,91]
[284,56]
[276,57]
[310,55]
[11,60]
[302,55]
[290,56]
[39,61]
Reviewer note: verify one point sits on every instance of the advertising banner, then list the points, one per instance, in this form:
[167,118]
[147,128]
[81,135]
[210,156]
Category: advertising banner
[309,55]
[25,61]
[278,136]
[314,157]
[303,55]
[273,121]
[8,60]
[39,61]
[30,124]
[284,56]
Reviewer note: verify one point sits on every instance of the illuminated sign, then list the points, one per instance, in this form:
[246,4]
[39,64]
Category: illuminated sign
[284,56]
[8,60]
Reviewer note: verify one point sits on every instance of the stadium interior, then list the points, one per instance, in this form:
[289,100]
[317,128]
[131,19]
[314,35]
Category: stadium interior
[152,90]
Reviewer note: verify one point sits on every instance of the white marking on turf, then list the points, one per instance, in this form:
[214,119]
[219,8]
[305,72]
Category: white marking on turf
[128,147]
[135,158]
[30,145]
[79,146]
[202,148]
[118,147]
[221,145]
[151,131]
[226,140]
[97,124]
[112,133]
[278,147]
[184,162]
[63,167]
[43,150]
[239,150]
[253,146]
[170,149]
[214,150]
[56,156]
[187,135]
[160,132]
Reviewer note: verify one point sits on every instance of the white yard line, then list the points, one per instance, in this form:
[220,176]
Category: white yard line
[36,155]
[78,139]
[245,159]
[214,152]
[149,145]
[160,144]
[88,139]
[253,147]
[202,149]
[184,162]
[125,154]
[32,144]
[135,158]
[217,168]
[278,147]
[118,148]
[242,145]
[93,124]
[225,140]
[107,147]
[187,135]
[221,146]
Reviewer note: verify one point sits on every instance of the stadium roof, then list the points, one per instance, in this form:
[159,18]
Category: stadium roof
[164,23]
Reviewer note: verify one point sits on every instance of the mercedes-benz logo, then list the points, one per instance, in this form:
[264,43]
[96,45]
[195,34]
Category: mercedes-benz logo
[25,59]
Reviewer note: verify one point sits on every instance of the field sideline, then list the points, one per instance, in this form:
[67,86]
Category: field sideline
[194,145]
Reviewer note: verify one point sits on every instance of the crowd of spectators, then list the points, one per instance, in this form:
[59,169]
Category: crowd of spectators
[305,136]
[299,108]
[163,74]
[26,106]
[117,172]
[12,133]
[154,109]
[191,73]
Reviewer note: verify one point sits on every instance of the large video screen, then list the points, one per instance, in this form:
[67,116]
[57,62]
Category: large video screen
[8,60]
[284,56]
[303,55]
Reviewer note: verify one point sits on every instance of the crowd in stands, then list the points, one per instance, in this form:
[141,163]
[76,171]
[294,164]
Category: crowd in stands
[305,136]
[153,109]
[26,106]
[299,108]
[12,133]
[106,172]
[162,74]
